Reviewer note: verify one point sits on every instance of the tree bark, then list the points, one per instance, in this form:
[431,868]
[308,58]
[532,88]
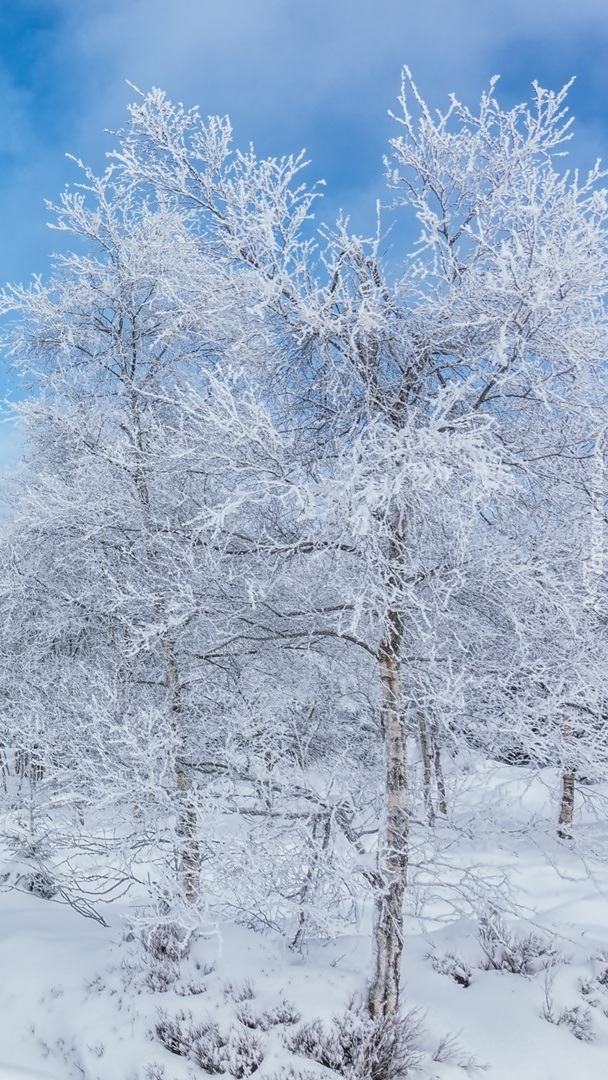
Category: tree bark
[442,804]
[426,768]
[188,854]
[566,809]
[391,868]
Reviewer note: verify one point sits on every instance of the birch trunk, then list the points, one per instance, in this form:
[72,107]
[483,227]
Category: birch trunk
[566,806]
[188,853]
[426,768]
[566,809]
[442,803]
[389,879]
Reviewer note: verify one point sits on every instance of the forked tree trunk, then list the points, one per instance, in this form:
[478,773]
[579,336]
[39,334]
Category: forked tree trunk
[566,808]
[391,868]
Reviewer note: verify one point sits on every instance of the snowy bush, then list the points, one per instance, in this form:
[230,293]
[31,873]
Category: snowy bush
[191,989]
[155,1072]
[505,951]
[454,966]
[165,941]
[208,1047]
[595,990]
[283,1013]
[238,1053]
[243,1054]
[164,946]
[161,976]
[576,1018]
[174,1033]
[357,1047]
[244,992]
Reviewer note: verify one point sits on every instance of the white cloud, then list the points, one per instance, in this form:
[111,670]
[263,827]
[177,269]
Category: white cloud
[320,74]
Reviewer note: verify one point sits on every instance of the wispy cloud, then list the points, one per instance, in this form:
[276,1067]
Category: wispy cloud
[320,74]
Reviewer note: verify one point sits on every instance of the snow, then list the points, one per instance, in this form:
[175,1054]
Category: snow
[75,1002]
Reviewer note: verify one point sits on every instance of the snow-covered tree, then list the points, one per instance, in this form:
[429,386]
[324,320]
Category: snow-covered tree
[303,453]
[412,382]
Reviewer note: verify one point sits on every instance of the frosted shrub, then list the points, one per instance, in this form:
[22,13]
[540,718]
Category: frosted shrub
[243,1054]
[283,1013]
[244,992]
[191,989]
[161,976]
[208,1047]
[173,1033]
[238,1053]
[357,1047]
[454,966]
[505,951]
[165,941]
[155,1072]
[164,946]
[577,1018]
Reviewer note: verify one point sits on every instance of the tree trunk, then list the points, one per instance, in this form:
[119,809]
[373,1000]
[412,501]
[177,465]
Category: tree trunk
[566,809]
[321,829]
[389,879]
[188,854]
[442,804]
[426,768]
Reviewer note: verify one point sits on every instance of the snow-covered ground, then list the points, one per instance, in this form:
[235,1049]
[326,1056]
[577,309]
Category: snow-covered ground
[80,1000]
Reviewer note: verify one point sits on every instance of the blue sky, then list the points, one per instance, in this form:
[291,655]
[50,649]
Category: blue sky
[320,74]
